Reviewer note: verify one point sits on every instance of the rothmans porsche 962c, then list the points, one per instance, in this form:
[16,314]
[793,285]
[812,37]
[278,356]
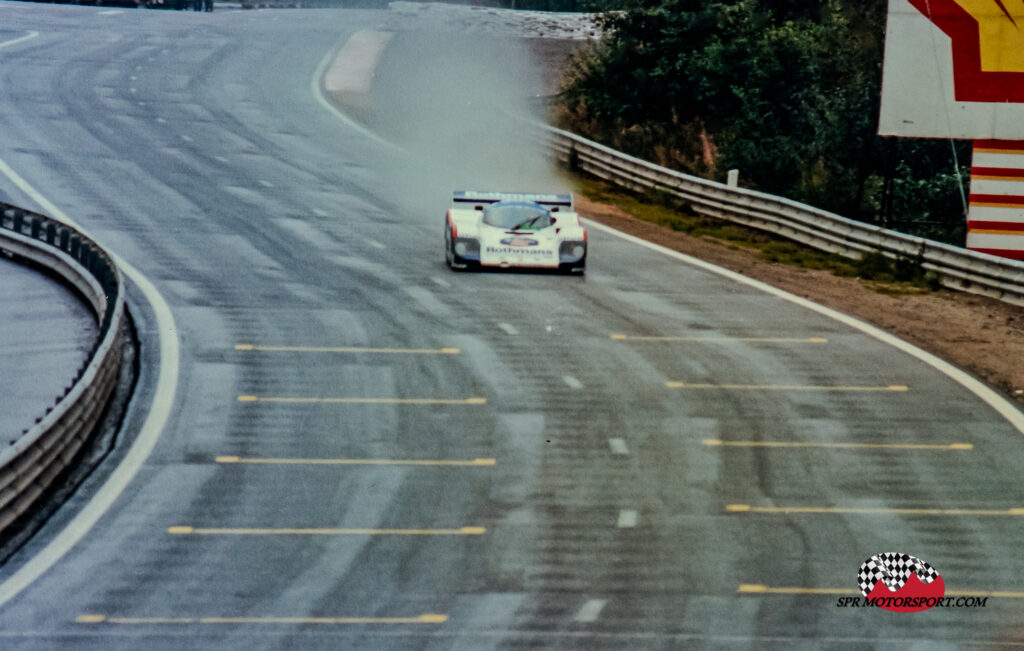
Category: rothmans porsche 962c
[514,229]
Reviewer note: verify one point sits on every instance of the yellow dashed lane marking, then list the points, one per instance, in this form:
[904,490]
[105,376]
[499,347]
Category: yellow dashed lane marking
[768,340]
[367,401]
[197,531]
[783,387]
[809,444]
[783,510]
[348,349]
[763,589]
[360,462]
[427,618]
[90,619]
[757,588]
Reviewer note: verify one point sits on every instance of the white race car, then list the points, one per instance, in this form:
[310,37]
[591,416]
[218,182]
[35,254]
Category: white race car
[514,229]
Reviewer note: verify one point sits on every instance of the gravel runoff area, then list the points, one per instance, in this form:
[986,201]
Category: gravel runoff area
[982,336]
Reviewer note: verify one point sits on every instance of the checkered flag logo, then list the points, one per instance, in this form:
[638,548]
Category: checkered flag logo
[893,569]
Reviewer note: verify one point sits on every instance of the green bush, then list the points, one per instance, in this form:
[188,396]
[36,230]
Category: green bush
[787,91]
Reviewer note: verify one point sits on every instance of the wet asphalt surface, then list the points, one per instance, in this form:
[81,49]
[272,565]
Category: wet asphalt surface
[335,475]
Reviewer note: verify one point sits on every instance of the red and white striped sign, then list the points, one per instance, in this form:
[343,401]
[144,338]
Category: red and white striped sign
[995,222]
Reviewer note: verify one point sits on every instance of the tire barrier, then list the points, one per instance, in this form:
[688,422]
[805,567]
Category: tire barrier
[30,463]
[956,268]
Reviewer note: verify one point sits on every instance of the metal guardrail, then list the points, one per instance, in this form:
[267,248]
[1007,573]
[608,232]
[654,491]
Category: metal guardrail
[955,267]
[31,462]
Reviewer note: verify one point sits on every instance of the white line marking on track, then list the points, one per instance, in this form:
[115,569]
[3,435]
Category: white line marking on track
[159,411]
[508,328]
[627,519]
[186,138]
[316,211]
[590,611]
[375,244]
[572,382]
[220,159]
[112,12]
[440,282]
[266,184]
[20,39]
[618,446]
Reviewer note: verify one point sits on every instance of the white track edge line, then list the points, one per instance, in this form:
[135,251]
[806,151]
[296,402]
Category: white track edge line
[26,37]
[152,427]
[1000,404]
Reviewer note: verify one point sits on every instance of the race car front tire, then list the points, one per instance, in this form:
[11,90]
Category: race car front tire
[450,257]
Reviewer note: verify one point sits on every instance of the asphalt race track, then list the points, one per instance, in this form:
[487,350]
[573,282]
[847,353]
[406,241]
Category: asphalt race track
[366,450]
[47,333]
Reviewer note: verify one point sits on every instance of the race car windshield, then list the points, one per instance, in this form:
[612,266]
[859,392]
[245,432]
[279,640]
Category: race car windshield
[517,216]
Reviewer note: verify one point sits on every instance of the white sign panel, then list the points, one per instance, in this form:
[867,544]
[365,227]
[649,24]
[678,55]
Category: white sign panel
[954,69]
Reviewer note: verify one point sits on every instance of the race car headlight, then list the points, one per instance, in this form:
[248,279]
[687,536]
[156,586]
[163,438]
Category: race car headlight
[467,248]
[572,251]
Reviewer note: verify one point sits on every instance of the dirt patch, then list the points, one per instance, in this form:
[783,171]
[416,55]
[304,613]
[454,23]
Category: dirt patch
[980,335]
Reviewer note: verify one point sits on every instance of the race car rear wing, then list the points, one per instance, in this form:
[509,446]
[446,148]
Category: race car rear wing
[465,198]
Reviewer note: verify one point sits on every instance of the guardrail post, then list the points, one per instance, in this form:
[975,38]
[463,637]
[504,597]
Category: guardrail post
[733,178]
[574,158]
